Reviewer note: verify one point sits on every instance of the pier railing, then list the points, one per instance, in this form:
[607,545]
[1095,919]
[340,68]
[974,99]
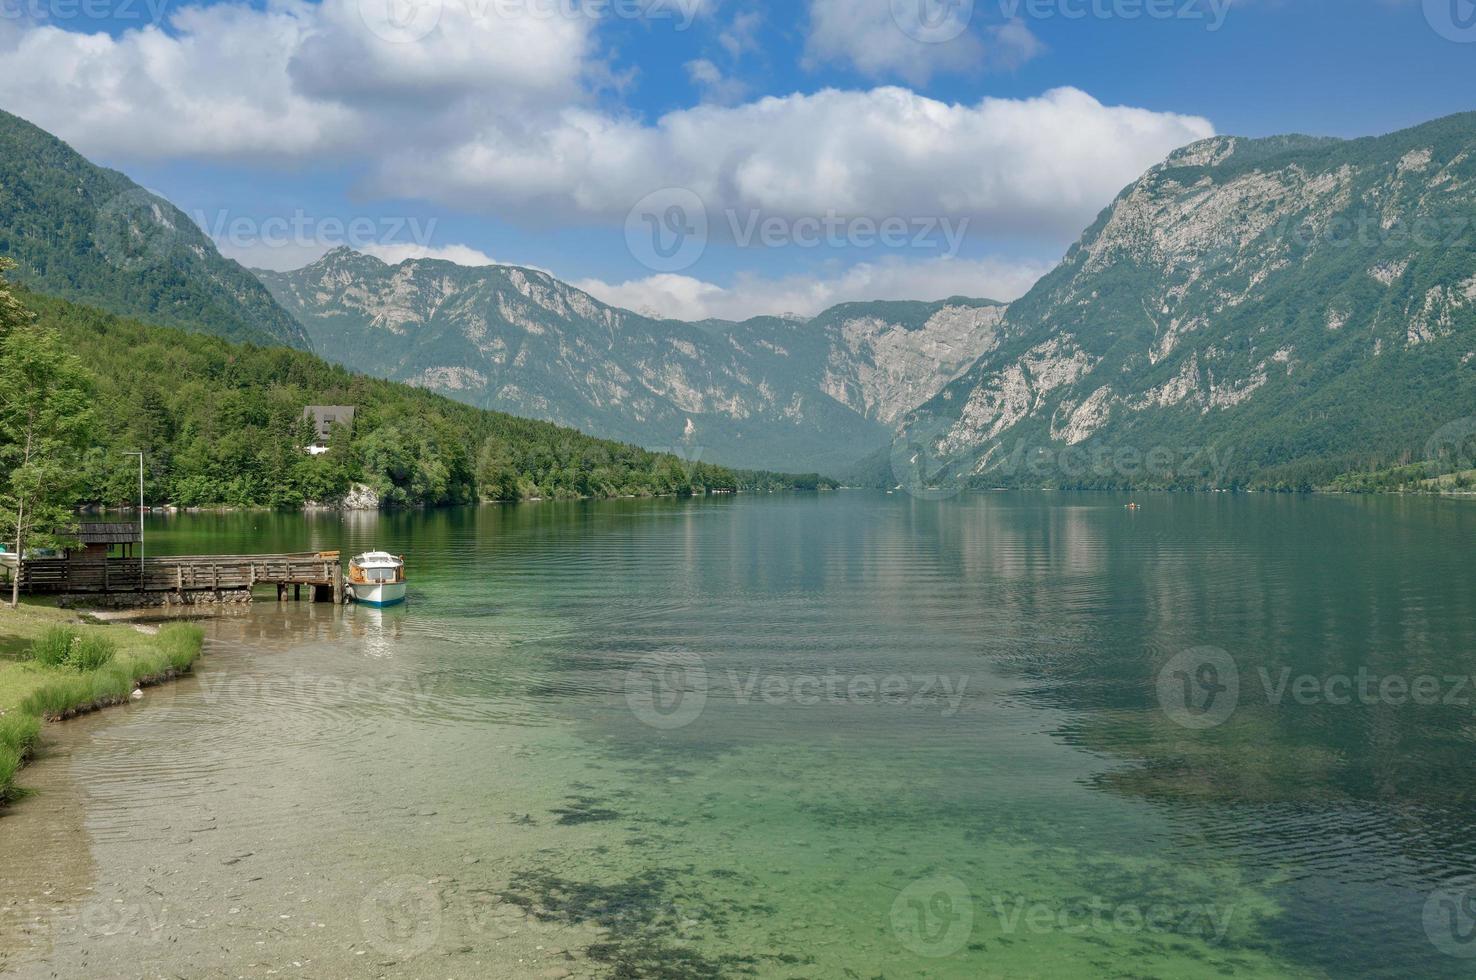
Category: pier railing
[215,573]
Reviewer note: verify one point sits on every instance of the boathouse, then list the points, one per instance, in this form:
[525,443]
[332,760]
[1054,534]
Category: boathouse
[98,539]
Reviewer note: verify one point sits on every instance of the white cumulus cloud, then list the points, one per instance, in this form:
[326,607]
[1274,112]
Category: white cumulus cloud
[686,298]
[1044,165]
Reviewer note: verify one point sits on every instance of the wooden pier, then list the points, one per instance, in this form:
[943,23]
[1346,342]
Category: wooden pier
[184,576]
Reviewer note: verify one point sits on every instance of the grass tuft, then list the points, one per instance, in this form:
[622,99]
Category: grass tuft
[76,670]
[54,646]
[180,643]
[9,762]
[91,652]
[18,731]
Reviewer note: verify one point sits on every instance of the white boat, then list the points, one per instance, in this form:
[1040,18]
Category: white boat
[377,578]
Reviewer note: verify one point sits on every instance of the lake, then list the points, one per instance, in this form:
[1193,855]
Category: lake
[840,735]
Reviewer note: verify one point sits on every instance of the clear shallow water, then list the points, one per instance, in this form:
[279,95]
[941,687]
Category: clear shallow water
[842,735]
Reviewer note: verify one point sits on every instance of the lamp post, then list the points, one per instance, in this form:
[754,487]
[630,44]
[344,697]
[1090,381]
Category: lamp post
[140,456]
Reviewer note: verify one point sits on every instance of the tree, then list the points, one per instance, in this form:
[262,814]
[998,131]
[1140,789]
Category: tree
[12,313]
[497,475]
[44,423]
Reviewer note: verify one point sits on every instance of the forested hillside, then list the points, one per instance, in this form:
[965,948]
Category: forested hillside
[222,424]
[91,235]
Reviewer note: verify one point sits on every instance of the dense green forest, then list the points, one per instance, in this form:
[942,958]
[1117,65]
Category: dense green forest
[91,235]
[222,423]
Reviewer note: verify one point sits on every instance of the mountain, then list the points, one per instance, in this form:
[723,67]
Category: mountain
[771,393]
[1270,313]
[90,234]
[236,437]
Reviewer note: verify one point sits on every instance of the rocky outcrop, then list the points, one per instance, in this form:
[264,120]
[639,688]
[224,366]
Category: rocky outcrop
[773,392]
[1275,297]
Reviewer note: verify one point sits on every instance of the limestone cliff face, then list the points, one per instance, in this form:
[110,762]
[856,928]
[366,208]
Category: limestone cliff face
[882,369]
[1273,298]
[771,392]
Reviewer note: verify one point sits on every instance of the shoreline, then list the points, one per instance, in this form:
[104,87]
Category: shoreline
[173,510]
[32,695]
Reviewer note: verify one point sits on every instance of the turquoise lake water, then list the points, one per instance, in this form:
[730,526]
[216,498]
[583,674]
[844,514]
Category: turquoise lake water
[840,735]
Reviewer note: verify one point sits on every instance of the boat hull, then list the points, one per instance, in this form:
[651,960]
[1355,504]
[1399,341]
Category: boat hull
[385,594]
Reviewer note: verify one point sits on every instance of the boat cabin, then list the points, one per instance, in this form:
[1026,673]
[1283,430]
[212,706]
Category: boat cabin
[376,568]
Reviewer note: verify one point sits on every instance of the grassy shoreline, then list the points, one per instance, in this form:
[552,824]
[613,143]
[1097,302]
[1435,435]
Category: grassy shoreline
[32,693]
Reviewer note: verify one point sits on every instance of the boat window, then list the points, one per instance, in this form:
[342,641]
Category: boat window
[379,574]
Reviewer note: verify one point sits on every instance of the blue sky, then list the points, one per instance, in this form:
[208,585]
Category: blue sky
[705,157]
